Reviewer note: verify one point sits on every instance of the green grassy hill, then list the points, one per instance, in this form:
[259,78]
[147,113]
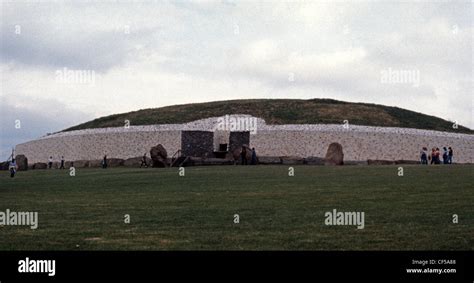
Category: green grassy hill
[281,111]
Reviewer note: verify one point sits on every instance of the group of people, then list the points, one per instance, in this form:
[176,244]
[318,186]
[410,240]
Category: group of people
[243,156]
[434,156]
[50,163]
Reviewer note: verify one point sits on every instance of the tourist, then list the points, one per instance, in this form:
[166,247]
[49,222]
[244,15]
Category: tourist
[50,162]
[445,155]
[437,156]
[12,167]
[243,155]
[424,156]
[254,157]
[144,161]
[450,155]
[104,162]
[62,163]
[433,156]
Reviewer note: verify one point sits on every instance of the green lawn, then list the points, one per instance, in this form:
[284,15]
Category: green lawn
[277,212]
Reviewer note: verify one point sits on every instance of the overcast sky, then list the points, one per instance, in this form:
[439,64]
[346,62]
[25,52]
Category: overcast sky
[151,54]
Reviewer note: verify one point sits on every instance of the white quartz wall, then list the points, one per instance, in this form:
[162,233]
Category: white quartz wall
[358,145]
[94,146]
[358,142]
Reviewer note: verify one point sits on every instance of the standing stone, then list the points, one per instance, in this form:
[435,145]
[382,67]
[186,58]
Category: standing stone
[159,155]
[21,162]
[236,154]
[334,155]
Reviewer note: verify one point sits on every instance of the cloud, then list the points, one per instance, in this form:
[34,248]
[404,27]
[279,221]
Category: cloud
[23,120]
[151,54]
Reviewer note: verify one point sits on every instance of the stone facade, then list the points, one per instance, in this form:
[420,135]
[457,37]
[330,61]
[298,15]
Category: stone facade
[197,143]
[94,146]
[359,143]
[238,139]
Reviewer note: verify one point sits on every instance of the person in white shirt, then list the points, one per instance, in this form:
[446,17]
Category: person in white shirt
[50,162]
[12,167]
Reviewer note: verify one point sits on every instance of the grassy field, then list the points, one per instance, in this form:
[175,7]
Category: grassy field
[277,212]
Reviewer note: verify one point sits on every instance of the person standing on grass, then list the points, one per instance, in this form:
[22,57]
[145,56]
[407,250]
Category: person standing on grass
[104,162]
[50,162]
[62,163]
[437,154]
[433,156]
[424,156]
[254,157]
[12,167]
[243,155]
[450,155]
[445,155]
